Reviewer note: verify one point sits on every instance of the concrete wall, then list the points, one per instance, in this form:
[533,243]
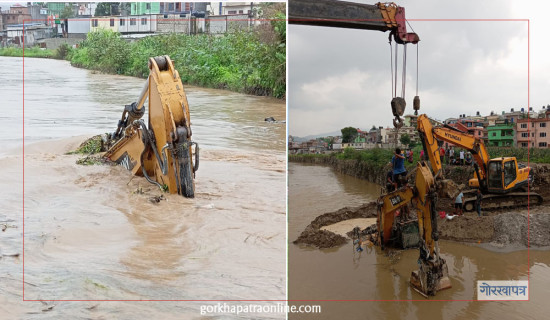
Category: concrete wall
[172,23]
[81,26]
[222,24]
[54,43]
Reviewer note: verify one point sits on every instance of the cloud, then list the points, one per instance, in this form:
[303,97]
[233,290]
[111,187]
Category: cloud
[341,77]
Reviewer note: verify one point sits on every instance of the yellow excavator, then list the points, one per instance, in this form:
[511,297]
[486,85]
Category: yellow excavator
[432,274]
[502,181]
[162,150]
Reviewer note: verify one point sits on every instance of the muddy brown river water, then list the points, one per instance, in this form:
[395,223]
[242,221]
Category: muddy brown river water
[88,235]
[341,274]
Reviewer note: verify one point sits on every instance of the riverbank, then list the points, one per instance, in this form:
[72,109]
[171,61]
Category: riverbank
[245,62]
[34,52]
[498,231]
[375,170]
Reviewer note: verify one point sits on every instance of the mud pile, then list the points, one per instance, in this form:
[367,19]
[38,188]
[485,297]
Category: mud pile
[499,230]
[312,235]
[467,228]
[511,228]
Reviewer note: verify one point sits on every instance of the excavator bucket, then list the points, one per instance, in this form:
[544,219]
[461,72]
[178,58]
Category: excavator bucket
[431,277]
[448,189]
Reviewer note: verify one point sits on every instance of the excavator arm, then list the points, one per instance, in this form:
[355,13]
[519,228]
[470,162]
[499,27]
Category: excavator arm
[430,136]
[432,274]
[162,150]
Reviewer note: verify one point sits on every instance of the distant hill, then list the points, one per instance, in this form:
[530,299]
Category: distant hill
[315,136]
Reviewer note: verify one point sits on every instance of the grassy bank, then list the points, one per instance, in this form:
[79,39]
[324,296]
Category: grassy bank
[373,164]
[34,52]
[535,155]
[252,62]
[238,61]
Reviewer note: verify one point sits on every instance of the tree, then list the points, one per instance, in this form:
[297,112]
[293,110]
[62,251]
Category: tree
[348,134]
[104,8]
[405,139]
[67,12]
[125,8]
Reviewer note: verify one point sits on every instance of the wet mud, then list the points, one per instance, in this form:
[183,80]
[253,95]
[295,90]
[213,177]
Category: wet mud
[498,230]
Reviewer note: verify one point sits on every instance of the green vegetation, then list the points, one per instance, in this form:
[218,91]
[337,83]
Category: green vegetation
[348,134]
[34,52]
[406,140]
[535,155]
[89,281]
[90,146]
[252,62]
[238,61]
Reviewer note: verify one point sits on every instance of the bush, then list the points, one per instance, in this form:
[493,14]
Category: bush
[237,61]
[62,51]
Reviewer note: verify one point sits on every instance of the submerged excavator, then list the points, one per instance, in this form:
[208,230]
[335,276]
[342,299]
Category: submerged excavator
[432,275]
[161,150]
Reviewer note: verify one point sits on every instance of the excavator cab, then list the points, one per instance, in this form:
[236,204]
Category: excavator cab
[503,175]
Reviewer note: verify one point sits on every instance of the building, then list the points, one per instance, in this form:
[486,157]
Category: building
[78,28]
[86,9]
[15,15]
[534,133]
[141,8]
[501,134]
[358,143]
[199,9]
[231,8]
[410,120]
[394,136]
[471,126]
[137,24]
[30,33]
[104,23]
[55,8]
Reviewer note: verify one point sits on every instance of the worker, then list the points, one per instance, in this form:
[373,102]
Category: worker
[461,157]
[442,154]
[469,159]
[451,155]
[421,154]
[459,202]
[390,184]
[479,196]
[398,166]
[410,157]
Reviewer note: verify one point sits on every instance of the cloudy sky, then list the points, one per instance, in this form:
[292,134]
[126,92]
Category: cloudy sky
[341,77]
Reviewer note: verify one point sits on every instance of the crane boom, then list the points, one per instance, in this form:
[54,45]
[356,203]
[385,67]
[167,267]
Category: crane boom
[343,14]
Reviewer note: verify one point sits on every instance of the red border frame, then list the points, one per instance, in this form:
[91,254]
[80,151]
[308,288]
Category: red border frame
[296,300]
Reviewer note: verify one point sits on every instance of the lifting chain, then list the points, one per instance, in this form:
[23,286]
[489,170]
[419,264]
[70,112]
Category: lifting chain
[398,103]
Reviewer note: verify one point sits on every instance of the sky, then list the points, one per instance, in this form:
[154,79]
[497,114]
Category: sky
[341,77]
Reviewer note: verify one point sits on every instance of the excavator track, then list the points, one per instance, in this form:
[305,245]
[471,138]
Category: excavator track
[504,201]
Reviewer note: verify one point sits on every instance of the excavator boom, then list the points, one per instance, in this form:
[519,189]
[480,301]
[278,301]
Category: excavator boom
[344,14]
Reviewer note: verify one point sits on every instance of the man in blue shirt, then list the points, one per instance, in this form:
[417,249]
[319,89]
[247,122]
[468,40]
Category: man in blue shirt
[398,167]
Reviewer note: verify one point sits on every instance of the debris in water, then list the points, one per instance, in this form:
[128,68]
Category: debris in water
[156,199]
[92,145]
